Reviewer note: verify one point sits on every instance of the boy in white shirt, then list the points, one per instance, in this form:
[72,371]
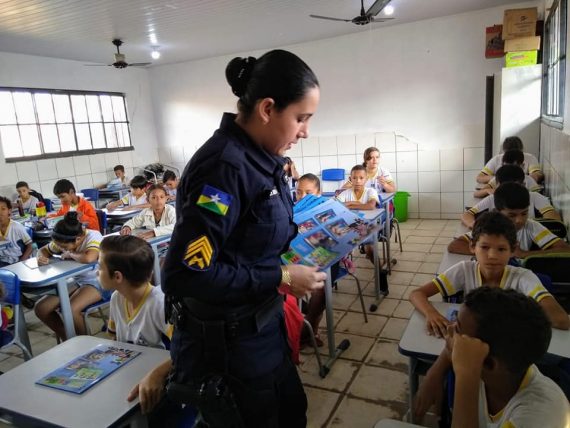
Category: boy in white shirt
[170,182]
[359,197]
[135,199]
[12,232]
[28,201]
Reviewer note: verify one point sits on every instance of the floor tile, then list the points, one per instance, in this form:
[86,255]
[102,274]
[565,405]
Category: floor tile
[410,256]
[347,285]
[432,224]
[406,266]
[10,363]
[359,346]
[409,290]
[386,306]
[428,267]
[342,301]
[364,274]
[379,384]
[338,378]
[321,405]
[448,234]
[385,353]
[394,328]
[435,258]
[402,278]
[438,248]
[417,247]
[403,310]
[356,413]
[425,232]
[353,323]
[443,240]
[422,278]
[420,240]
[396,290]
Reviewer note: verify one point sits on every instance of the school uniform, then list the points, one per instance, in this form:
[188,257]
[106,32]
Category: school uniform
[12,252]
[30,205]
[145,219]
[538,402]
[145,325]
[529,165]
[87,214]
[368,194]
[538,202]
[131,200]
[465,276]
[372,179]
[529,183]
[117,182]
[171,192]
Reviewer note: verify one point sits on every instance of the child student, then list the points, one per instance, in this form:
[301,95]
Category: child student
[159,219]
[493,243]
[507,174]
[510,157]
[170,182]
[71,241]
[498,338]
[377,177]
[359,197]
[25,198]
[12,232]
[135,199]
[136,313]
[530,166]
[65,191]
[513,200]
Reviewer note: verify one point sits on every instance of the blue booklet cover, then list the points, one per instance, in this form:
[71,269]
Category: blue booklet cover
[83,372]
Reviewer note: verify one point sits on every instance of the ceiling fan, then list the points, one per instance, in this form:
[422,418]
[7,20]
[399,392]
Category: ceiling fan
[120,59]
[364,17]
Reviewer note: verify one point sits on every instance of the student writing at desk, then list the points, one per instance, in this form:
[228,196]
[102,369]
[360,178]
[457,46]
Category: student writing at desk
[13,233]
[170,182]
[65,191]
[120,179]
[135,199]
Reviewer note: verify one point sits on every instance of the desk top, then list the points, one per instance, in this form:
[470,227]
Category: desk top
[374,214]
[450,259]
[101,405]
[43,275]
[154,240]
[415,342]
[120,213]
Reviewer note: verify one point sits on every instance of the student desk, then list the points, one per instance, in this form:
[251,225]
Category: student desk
[103,405]
[57,271]
[120,216]
[113,192]
[416,344]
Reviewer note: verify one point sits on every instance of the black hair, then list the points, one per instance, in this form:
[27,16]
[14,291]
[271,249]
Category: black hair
[494,223]
[130,255]
[68,229]
[511,143]
[512,196]
[152,187]
[509,174]
[278,74]
[514,326]
[513,156]
[313,179]
[368,154]
[119,168]
[22,184]
[138,182]
[7,201]
[358,167]
[168,175]
[63,186]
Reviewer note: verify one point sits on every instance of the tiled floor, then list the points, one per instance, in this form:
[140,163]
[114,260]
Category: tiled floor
[369,381]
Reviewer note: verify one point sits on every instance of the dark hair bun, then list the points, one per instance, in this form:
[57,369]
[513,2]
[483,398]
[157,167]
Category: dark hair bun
[71,217]
[238,72]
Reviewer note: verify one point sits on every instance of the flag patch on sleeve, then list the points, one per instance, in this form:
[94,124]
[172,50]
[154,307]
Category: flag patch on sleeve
[198,255]
[214,200]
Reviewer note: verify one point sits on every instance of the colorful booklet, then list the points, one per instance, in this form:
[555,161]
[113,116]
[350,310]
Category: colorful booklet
[83,372]
[328,231]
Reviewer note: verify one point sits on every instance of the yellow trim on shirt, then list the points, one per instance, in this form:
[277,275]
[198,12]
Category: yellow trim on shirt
[5,235]
[507,424]
[551,243]
[539,292]
[546,209]
[506,272]
[534,168]
[136,310]
[487,171]
[444,286]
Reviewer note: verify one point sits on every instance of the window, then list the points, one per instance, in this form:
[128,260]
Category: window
[554,68]
[40,123]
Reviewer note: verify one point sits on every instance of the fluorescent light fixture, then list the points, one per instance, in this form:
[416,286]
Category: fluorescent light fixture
[152,38]
[389,10]
[155,54]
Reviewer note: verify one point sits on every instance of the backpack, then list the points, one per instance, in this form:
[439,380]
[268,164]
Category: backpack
[37,195]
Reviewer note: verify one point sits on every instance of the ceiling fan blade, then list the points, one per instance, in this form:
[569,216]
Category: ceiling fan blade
[372,19]
[330,18]
[377,7]
[139,64]
[98,65]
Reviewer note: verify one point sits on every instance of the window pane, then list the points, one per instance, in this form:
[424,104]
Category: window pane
[10,138]
[120,139]
[97,135]
[62,108]
[107,108]
[30,140]
[7,112]
[93,108]
[44,108]
[119,109]
[79,109]
[50,139]
[110,135]
[83,137]
[125,131]
[24,107]
[66,137]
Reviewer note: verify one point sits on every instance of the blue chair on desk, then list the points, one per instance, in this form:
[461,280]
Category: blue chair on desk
[92,194]
[18,335]
[335,175]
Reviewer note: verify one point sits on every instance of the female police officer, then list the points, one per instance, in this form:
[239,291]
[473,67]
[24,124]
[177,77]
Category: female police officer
[223,269]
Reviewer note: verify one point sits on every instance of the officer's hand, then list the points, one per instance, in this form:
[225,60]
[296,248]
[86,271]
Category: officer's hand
[305,279]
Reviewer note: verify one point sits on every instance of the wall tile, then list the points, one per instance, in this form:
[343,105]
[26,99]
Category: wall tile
[426,215]
[125,159]
[405,145]
[452,203]
[189,151]
[9,175]
[385,141]
[329,162]
[100,178]
[469,200]
[27,171]
[407,181]
[473,158]
[296,150]
[97,163]
[47,188]
[363,141]
[451,160]
[347,162]
[164,154]
[428,160]
[176,153]
[452,181]
[429,203]
[111,159]
[429,182]
[298,161]
[388,160]
[82,165]
[413,202]
[469,180]
[311,164]
[311,146]
[65,167]
[47,169]
[346,144]
[84,181]
[327,146]
[407,161]
[34,185]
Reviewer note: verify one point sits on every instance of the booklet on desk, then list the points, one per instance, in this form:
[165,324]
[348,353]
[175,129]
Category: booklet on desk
[83,372]
[328,231]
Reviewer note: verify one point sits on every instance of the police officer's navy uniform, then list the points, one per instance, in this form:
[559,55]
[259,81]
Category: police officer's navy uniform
[234,220]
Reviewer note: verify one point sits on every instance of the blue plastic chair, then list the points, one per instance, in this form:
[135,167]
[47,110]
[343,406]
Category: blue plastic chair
[49,205]
[335,175]
[103,224]
[96,307]
[92,194]
[18,335]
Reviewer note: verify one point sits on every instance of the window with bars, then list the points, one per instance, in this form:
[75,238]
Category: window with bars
[554,68]
[40,123]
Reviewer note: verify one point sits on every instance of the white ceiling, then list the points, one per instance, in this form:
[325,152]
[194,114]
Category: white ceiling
[190,29]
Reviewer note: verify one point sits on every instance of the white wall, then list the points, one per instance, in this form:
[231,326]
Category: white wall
[423,81]
[85,171]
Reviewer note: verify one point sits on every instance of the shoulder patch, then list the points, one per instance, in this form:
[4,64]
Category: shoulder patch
[198,254]
[214,200]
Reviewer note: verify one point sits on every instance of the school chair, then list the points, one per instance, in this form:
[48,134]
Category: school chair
[49,205]
[553,265]
[332,179]
[555,226]
[18,334]
[96,307]
[92,194]
[103,224]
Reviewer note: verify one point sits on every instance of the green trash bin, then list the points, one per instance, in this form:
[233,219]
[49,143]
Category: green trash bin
[401,206]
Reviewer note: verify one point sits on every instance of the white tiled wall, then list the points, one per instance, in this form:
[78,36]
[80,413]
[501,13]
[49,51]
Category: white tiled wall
[440,182]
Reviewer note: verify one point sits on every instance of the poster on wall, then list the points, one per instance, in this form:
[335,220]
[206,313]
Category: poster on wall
[494,43]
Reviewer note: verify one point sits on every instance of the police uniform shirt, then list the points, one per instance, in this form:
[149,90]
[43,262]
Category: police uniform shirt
[368,194]
[145,219]
[537,202]
[538,402]
[529,183]
[466,276]
[15,232]
[145,325]
[529,165]
[131,200]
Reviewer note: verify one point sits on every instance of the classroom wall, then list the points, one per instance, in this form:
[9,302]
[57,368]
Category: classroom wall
[85,171]
[415,90]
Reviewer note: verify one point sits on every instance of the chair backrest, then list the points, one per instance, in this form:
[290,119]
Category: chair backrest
[49,204]
[555,226]
[11,284]
[102,216]
[555,265]
[92,194]
[331,179]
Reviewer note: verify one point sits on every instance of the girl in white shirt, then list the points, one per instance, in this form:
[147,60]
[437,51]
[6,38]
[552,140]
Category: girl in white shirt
[377,177]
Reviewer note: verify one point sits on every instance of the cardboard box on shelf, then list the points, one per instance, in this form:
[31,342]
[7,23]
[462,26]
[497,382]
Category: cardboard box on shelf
[519,23]
[494,44]
[518,59]
[523,44]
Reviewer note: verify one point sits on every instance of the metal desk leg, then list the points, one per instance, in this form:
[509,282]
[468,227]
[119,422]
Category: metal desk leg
[334,351]
[413,385]
[380,278]
[65,307]
[387,232]
[156,265]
